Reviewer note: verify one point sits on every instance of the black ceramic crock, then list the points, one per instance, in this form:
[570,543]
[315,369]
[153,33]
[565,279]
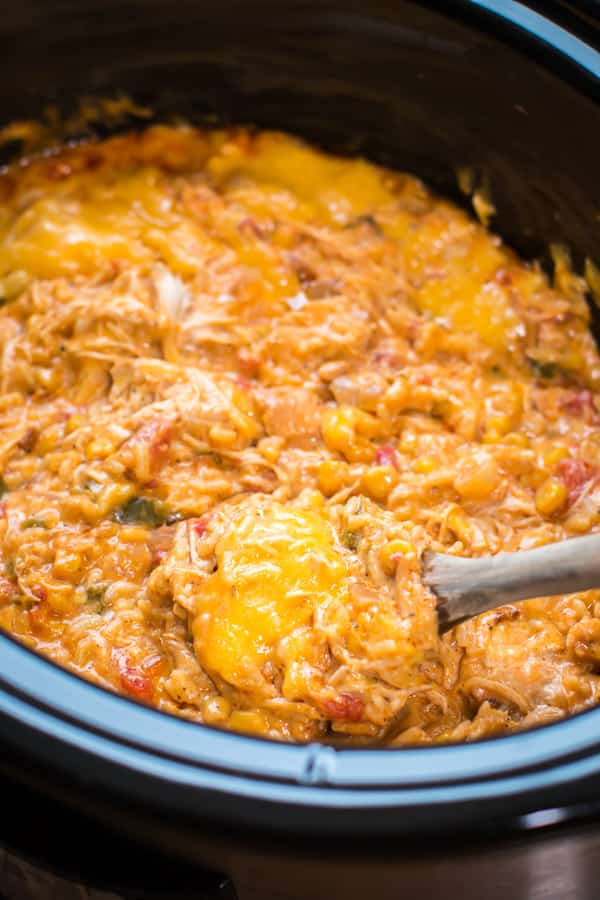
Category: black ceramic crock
[510,91]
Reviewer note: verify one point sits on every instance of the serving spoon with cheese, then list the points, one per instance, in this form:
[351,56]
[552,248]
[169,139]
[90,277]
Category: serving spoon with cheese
[466,587]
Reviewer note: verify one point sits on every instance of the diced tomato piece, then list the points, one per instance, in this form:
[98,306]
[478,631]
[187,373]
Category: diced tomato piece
[136,684]
[250,364]
[158,435]
[158,556]
[575,474]
[160,541]
[132,678]
[346,706]
[387,456]
[503,277]
[38,616]
[423,378]
[200,525]
[581,404]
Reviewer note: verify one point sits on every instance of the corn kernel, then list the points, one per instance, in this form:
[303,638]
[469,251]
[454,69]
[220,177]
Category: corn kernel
[75,422]
[48,379]
[310,499]
[331,477]
[60,597]
[477,479]
[496,427]
[409,442]
[66,565]
[378,481]
[391,552]
[270,448]
[25,470]
[425,464]
[396,396]
[99,448]
[360,451]
[8,618]
[551,497]
[219,436]
[553,455]
[248,722]
[491,436]
[366,424]
[243,401]
[339,427]
[517,439]
[133,534]
[48,440]
[77,505]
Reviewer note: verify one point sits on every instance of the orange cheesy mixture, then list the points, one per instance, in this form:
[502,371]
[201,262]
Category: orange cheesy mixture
[244,385]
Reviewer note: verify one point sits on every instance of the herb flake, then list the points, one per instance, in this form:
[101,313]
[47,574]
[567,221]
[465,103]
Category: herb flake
[351,539]
[95,595]
[141,511]
[33,522]
[543,368]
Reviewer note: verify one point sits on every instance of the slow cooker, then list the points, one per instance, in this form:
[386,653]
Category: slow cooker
[104,798]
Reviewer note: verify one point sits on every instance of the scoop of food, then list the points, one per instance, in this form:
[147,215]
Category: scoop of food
[287,620]
[467,587]
[288,617]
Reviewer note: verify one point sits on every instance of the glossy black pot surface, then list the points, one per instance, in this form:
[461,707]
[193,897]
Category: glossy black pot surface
[499,87]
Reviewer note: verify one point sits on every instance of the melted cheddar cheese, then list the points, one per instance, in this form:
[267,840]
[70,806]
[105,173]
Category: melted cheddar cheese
[274,570]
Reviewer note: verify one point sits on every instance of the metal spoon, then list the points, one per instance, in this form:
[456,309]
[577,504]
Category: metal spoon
[467,587]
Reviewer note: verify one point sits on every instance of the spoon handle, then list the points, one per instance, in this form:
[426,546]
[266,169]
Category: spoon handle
[466,587]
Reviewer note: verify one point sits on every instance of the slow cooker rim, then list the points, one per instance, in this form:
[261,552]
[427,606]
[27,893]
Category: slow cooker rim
[560,44]
[569,747]
[114,768]
[63,703]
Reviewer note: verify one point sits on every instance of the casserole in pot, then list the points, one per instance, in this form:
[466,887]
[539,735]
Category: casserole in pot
[245,385]
[424,106]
